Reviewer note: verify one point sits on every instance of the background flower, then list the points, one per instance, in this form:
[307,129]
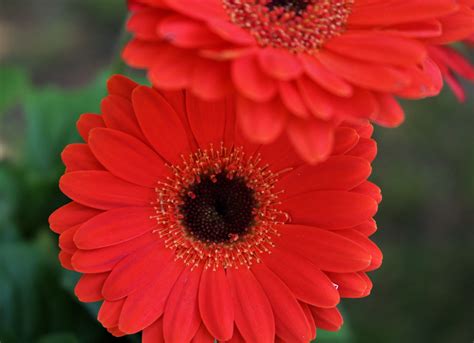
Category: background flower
[298,67]
[185,229]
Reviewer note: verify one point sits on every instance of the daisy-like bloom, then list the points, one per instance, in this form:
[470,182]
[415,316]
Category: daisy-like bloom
[298,67]
[453,65]
[188,232]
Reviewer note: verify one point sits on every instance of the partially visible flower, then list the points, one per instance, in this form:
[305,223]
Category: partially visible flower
[188,232]
[453,65]
[298,67]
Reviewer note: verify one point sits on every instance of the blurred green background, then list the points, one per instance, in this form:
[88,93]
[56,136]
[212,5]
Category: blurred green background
[54,58]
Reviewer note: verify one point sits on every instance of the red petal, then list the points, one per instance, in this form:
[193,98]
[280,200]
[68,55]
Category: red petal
[253,312]
[79,157]
[141,54]
[121,85]
[154,333]
[66,242]
[231,32]
[147,304]
[366,148]
[391,113]
[210,79]
[262,122]
[215,304]
[290,320]
[203,336]
[330,209]
[250,80]
[104,259]
[368,245]
[208,120]
[305,280]
[172,68]
[367,228]
[115,226]
[127,157]
[89,287]
[378,47]
[279,63]
[292,99]
[236,338]
[87,122]
[143,23]
[336,173]
[69,215]
[370,189]
[309,318]
[329,319]
[109,313]
[345,139]
[395,12]
[367,75]
[187,33]
[133,271]
[65,260]
[326,250]
[102,190]
[350,285]
[203,9]
[160,124]
[324,77]
[313,139]
[118,115]
[181,319]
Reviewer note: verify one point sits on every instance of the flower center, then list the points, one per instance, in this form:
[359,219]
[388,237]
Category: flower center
[297,6]
[295,25]
[218,209]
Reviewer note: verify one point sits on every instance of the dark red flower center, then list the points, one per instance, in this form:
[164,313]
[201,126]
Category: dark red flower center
[295,25]
[218,209]
[297,6]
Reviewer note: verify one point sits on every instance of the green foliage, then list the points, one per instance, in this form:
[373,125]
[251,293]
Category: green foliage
[14,83]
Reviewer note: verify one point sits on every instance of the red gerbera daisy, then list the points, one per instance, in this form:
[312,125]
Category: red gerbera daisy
[453,65]
[188,232]
[298,66]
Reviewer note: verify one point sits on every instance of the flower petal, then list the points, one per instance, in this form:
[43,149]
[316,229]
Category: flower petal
[251,307]
[326,250]
[89,287]
[336,173]
[181,319]
[114,227]
[142,166]
[69,215]
[147,304]
[251,81]
[215,304]
[160,123]
[133,271]
[102,190]
[305,280]
[330,209]
[290,320]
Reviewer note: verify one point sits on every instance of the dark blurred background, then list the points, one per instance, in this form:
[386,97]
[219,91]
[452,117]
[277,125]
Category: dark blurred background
[54,58]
